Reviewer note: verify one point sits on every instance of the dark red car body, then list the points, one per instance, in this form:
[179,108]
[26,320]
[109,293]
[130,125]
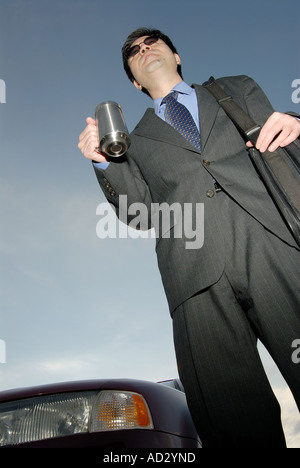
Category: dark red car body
[173,425]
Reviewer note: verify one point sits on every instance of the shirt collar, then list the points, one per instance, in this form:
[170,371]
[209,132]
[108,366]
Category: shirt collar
[182,87]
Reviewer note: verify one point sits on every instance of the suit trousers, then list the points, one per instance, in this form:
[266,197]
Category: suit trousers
[216,333]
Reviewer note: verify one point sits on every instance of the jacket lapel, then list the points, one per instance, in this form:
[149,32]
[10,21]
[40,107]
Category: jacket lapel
[153,127]
[208,109]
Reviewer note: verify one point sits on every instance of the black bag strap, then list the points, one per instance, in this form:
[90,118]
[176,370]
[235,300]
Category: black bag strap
[240,118]
[281,175]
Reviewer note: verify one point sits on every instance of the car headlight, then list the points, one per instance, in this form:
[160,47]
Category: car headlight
[64,414]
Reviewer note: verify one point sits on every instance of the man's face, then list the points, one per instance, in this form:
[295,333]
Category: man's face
[152,60]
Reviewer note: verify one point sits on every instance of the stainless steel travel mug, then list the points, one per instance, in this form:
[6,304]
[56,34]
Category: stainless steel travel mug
[113,134]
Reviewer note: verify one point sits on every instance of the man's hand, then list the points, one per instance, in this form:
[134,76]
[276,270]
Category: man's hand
[279,130]
[89,142]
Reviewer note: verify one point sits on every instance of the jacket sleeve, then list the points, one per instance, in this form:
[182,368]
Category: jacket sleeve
[124,186]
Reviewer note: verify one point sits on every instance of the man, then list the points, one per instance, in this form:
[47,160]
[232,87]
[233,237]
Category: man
[243,283]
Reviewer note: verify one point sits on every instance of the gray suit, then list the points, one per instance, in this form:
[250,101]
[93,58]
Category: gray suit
[161,166]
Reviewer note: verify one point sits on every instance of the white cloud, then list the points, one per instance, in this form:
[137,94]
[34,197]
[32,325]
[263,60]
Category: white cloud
[290,416]
[289,412]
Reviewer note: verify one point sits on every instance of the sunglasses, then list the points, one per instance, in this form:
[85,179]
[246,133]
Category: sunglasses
[132,51]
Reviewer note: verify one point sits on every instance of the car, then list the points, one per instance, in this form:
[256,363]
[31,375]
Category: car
[110,413]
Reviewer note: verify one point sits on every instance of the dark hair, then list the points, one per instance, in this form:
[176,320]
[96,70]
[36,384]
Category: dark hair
[136,34]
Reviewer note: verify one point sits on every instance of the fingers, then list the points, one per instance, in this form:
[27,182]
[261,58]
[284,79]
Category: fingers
[89,120]
[279,130]
[89,142]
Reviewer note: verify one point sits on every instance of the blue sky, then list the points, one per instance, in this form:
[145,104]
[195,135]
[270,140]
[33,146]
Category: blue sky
[74,306]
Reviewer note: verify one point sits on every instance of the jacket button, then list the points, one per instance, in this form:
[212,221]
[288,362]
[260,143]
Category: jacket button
[206,162]
[210,193]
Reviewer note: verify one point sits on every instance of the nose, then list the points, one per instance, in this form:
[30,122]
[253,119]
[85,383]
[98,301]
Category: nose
[144,47]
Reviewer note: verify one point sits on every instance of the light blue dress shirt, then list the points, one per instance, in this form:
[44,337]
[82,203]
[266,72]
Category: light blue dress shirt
[187,97]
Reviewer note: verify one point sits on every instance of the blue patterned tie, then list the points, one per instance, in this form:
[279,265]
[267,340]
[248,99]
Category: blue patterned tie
[179,117]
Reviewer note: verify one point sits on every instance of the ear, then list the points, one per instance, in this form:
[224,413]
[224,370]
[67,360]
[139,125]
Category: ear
[177,58]
[137,85]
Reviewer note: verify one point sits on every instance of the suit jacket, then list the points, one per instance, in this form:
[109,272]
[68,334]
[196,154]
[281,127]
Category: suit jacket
[161,166]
